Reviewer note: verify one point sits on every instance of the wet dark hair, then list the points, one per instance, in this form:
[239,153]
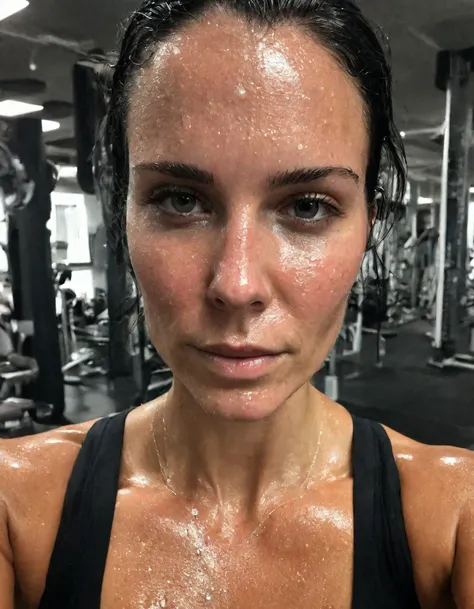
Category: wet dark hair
[338,25]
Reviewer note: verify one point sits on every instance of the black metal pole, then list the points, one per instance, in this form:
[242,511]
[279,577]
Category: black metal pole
[454,72]
[118,300]
[35,265]
[90,109]
[412,217]
[21,302]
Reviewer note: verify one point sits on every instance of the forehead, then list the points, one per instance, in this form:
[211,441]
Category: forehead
[221,86]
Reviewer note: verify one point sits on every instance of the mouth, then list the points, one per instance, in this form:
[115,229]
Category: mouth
[239,352]
[244,362]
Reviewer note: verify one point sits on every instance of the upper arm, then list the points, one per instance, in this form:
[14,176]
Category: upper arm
[33,477]
[438,500]
[463,570]
[7,576]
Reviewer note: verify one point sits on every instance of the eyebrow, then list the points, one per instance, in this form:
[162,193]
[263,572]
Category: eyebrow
[284,178]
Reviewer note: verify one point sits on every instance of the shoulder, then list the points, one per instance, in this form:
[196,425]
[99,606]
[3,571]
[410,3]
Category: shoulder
[442,472]
[437,487]
[33,453]
[35,468]
[41,465]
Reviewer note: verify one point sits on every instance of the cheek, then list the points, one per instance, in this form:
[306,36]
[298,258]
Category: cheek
[318,277]
[166,269]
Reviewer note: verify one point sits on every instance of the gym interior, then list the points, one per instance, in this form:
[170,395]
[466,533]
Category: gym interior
[73,342]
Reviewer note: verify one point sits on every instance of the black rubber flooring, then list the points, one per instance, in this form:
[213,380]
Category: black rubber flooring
[429,405]
[97,398]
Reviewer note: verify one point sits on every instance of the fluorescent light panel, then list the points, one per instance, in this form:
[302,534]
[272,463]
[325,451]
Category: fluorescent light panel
[67,171]
[10,108]
[425,200]
[50,126]
[10,7]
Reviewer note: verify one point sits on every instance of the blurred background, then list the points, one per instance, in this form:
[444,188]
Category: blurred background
[72,344]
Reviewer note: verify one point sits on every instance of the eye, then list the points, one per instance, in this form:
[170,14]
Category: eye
[310,208]
[178,202]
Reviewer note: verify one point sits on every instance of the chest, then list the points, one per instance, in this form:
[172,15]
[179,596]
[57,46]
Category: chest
[302,557]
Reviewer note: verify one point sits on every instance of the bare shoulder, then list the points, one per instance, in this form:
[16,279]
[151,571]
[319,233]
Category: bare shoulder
[40,453]
[437,487]
[38,463]
[446,471]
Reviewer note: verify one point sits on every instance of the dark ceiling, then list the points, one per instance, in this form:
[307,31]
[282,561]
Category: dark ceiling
[54,29]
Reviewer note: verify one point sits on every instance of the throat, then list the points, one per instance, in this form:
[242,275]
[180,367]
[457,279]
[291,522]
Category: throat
[234,467]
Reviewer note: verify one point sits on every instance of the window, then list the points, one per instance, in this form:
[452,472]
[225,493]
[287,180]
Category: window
[470,228]
[69,226]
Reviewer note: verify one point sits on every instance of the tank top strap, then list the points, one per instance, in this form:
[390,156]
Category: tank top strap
[77,566]
[383,569]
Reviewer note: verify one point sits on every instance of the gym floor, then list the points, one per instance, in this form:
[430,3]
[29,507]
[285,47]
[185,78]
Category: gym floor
[96,398]
[429,405]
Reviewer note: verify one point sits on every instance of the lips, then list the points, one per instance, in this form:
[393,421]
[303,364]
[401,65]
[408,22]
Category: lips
[239,363]
[239,352]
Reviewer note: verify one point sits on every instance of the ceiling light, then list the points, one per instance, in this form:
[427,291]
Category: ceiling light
[50,126]
[10,108]
[67,171]
[471,190]
[403,134]
[10,7]
[425,200]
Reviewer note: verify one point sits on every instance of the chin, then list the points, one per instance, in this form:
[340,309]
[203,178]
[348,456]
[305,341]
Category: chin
[245,404]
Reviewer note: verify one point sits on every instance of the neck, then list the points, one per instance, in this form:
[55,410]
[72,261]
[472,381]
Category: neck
[240,464]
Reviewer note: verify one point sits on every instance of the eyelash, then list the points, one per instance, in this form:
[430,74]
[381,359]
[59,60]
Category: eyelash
[315,198]
[156,197]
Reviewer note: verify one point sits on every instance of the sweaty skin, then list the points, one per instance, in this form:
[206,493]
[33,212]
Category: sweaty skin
[240,259]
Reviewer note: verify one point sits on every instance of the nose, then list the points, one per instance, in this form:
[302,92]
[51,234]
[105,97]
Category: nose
[239,279]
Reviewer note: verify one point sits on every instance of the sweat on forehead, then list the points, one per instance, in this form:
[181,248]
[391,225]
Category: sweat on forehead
[220,78]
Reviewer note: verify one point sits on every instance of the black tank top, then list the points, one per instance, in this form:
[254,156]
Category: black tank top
[383,571]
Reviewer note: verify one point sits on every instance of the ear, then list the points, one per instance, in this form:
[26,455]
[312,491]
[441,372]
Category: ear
[373,212]
[377,206]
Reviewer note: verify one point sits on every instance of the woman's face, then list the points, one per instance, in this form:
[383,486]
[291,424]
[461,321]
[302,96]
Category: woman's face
[246,217]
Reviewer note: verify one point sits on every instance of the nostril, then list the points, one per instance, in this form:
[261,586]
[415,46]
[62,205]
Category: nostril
[219,302]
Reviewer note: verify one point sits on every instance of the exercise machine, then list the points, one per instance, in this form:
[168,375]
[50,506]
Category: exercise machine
[89,359]
[348,348]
